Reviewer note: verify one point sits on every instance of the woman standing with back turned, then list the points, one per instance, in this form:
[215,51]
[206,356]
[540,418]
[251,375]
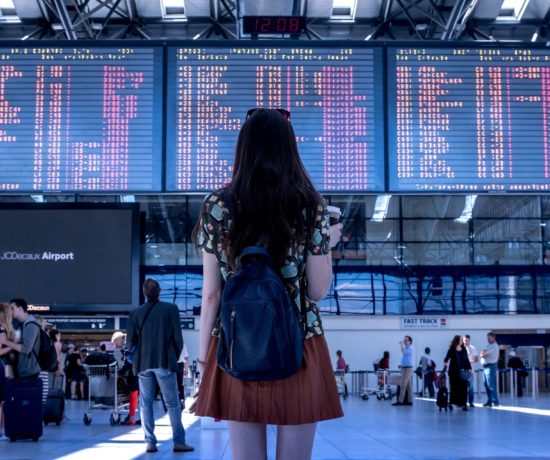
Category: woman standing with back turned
[270,202]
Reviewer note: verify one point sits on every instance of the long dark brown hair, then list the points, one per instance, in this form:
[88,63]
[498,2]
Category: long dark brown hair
[273,199]
[456,341]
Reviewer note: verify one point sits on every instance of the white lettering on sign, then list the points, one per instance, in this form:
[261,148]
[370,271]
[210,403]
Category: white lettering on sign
[432,322]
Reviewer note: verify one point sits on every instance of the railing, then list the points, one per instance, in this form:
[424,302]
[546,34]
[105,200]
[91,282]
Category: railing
[508,380]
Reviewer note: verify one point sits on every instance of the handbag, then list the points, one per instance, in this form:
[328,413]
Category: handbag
[465,375]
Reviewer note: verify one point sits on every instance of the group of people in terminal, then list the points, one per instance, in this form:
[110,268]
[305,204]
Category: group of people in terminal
[461,361]
[152,355]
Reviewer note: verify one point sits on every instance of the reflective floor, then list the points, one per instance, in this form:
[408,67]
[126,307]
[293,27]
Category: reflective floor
[370,430]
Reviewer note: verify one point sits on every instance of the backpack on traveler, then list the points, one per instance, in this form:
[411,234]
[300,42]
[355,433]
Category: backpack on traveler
[260,338]
[46,356]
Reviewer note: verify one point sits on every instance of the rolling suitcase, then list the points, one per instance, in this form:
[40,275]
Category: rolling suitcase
[54,407]
[23,409]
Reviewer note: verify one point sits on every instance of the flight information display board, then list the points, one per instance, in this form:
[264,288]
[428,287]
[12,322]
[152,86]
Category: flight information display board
[334,95]
[469,119]
[76,118]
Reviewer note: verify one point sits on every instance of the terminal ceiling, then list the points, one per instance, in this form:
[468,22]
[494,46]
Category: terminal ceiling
[487,20]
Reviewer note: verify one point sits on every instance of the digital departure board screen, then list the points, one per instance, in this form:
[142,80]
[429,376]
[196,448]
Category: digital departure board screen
[74,118]
[81,256]
[469,119]
[334,95]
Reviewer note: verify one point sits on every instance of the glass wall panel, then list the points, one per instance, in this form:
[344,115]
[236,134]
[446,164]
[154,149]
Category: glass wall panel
[507,253]
[510,206]
[438,253]
[439,207]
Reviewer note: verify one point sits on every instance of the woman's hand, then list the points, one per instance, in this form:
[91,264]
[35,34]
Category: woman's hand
[335,233]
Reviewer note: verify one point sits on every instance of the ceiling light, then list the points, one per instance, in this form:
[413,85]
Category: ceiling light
[343,9]
[174,7]
[512,10]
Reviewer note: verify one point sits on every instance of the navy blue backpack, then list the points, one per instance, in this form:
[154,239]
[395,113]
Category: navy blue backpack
[260,338]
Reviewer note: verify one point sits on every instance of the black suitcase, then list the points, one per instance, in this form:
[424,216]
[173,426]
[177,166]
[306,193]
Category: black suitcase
[23,409]
[442,400]
[54,407]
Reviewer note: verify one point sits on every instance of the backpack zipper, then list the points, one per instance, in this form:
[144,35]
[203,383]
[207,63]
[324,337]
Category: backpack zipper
[231,346]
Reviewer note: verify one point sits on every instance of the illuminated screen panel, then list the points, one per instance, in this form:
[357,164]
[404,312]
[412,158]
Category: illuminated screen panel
[82,257]
[80,119]
[334,95]
[469,119]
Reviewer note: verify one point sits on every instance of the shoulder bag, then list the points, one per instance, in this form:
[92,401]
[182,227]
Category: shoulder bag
[136,345]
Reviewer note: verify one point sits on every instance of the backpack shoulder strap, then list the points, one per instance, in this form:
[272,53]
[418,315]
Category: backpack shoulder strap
[37,337]
[146,316]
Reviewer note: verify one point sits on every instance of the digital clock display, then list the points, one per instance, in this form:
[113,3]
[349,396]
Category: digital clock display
[273,24]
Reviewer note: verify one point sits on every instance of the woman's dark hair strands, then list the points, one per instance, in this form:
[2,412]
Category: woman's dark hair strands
[270,188]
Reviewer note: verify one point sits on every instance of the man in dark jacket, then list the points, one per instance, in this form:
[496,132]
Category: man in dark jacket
[516,364]
[154,329]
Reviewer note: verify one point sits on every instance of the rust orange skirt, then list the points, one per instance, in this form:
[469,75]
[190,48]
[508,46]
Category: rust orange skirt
[308,396]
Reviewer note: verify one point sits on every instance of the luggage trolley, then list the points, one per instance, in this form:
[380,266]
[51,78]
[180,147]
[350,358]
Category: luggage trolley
[340,377]
[105,377]
[384,390]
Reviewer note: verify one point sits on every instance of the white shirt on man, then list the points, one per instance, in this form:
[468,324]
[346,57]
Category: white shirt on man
[492,354]
[473,357]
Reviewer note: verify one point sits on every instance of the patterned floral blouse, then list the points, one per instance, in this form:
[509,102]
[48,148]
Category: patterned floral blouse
[215,222]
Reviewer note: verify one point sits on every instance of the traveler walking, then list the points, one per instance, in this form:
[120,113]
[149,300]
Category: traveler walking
[23,416]
[7,357]
[473,357]
[489,359]
[459,373]
[516,365]
[183,369]
[27,350]
[74,371]
[428,373]
[384,362]
[154,329]
[118,338]
[407,362]
[341,368]
[272,203]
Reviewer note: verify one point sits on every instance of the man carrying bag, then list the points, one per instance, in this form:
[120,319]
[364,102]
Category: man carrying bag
[154,330]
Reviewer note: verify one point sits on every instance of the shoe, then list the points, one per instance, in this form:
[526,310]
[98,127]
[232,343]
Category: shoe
[151,448]
[495,404]
[465,408]
[183,448]
[408,404]
[472,405]
[488,404]
[397,404]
